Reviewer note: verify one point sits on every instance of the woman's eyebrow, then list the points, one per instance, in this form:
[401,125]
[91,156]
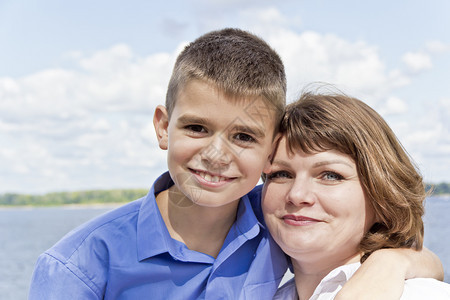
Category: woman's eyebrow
[332,162]
[281,163]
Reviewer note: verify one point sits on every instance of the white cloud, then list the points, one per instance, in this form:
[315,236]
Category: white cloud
[392,106]
[417,61]
[445,103]
[90,125]
[355,67]
[427,138]
[437,47]
[73,128]
[114,59]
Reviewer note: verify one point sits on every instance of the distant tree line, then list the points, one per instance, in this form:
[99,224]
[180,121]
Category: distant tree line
[80,197]
[119,196]
[439,189]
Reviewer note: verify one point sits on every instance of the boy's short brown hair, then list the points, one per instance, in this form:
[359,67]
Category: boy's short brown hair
[237,62]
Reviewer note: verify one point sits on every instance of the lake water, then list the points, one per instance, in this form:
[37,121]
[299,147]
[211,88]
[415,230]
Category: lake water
[27,232]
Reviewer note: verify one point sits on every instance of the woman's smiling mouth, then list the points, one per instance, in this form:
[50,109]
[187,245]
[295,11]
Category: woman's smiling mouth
[299,220]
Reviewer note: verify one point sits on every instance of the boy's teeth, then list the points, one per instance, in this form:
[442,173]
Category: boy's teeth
[209,177]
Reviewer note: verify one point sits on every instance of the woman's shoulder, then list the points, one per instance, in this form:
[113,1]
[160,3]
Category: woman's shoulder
[425,288]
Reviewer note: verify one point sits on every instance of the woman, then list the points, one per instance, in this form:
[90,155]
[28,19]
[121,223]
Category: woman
[340,187]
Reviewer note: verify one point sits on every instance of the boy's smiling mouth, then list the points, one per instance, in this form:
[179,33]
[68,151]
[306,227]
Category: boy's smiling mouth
[210,177]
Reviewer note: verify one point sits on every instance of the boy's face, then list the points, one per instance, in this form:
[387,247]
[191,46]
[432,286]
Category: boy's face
[217,146]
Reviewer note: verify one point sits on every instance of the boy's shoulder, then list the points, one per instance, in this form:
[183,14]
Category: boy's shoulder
[109,231]
[83,257]
[100,230]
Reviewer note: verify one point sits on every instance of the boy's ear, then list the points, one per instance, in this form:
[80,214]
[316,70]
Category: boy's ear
[161,123]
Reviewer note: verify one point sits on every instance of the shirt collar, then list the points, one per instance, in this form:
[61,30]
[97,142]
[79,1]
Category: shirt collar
[153,237]
[334,281]
[246,221]
[151,230]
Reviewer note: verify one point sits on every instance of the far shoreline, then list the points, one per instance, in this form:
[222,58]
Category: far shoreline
[102,205]
[66,206]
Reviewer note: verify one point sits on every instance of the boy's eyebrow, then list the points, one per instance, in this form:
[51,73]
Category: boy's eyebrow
[187,119]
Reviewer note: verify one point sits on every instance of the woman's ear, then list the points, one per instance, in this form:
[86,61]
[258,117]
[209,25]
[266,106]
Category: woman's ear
[161,123]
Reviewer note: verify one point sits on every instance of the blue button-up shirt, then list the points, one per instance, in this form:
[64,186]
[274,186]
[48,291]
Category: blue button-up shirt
[128,253]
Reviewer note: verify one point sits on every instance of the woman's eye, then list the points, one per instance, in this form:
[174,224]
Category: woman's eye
[195,128]
[332,176]
[243,137]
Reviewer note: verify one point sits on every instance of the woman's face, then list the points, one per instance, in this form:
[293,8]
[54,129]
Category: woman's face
[315,207]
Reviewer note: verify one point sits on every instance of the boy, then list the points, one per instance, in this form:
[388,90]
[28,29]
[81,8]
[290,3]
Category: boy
[196,234]
[190,237]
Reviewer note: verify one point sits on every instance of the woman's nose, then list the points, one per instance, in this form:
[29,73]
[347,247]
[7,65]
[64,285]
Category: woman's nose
[302,192]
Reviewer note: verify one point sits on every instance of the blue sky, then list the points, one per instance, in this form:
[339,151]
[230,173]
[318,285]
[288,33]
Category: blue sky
[79,80]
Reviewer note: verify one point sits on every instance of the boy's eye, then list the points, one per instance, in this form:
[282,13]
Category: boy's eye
[332,176]
[243,137]
[195,128]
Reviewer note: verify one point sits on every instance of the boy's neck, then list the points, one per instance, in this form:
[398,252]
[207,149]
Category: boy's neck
[202,229]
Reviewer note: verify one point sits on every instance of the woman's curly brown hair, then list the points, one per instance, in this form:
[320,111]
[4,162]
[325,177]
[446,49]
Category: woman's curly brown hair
[392,183]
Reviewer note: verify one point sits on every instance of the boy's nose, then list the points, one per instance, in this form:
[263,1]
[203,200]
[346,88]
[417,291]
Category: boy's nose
[216,155]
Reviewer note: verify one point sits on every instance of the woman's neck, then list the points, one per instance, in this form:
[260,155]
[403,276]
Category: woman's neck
[309,273]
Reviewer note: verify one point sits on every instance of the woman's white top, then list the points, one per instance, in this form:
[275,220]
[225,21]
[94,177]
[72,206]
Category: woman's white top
[417,288]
